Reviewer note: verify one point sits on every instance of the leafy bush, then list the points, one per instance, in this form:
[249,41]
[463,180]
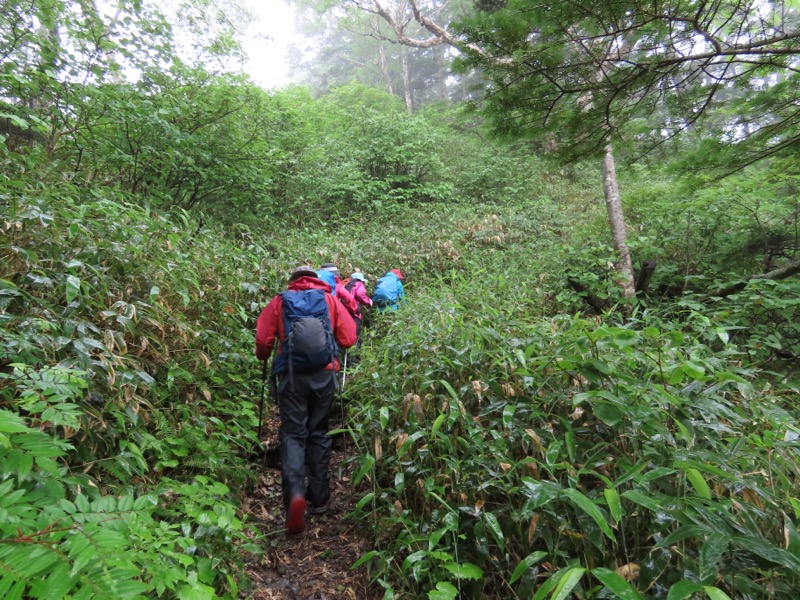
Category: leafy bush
[510,456]
[119,337]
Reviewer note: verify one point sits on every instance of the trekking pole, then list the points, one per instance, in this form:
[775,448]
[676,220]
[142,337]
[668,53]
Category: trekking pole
[344,370]
[261,404]
[341,398]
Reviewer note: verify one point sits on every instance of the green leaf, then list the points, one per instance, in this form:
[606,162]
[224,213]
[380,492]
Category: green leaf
[125,503]
[568,582]
[414,557]
[642,500]
[82,503]
[608,413]
[494,526]
[56,583]
[693,370]
[548,585]
[365,500]
[590,508]
[698,483]
[449,389]
[465,570]
[367,463]
[713,548]
[508,415]
[625,337]
[614,505]
[681,533]
[20,122]
[73,288]
[364,558]
[12,590]
[11,422]
[438,423]
[443,591]
[526,563]
[683,589]
[617,584]
[715,593]
[796,506]
[768,551]
[196,591]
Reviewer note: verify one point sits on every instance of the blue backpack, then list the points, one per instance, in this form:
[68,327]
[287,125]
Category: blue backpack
[385,291]
[308,344]
[329,278]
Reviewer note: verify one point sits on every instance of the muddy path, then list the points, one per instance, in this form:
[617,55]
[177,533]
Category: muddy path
[317,564]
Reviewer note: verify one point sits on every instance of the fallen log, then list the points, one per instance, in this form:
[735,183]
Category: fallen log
[783,272]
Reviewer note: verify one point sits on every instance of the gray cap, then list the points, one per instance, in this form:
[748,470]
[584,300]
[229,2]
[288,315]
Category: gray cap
[330,267]
[301,271]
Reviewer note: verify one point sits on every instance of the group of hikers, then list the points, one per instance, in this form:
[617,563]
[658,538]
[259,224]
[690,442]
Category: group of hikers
[318,314]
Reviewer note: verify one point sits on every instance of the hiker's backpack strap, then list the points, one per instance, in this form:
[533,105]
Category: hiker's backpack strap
[308,344]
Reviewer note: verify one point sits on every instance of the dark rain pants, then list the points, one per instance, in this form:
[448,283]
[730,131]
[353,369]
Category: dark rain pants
[353,355]
[305,443]
[359,323]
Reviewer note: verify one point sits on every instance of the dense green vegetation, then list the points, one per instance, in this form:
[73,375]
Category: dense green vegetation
[509,440]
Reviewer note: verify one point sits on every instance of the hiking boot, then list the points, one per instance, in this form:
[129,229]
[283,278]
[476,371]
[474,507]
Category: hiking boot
[295,520]
[320,510]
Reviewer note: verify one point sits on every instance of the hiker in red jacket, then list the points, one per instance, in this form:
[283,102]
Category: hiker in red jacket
[305,320]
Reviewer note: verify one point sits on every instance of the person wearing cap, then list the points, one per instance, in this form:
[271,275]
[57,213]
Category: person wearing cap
[359,291]
[357,287]
[344,296]
[389,292]
[304,399]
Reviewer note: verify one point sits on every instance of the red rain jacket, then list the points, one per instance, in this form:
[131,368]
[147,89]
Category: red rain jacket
[269,326]
[347,299]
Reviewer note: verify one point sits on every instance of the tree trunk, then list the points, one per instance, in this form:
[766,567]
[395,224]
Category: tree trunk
[616,219]
[384,67]
[407,81]
[110,54]
[441,80]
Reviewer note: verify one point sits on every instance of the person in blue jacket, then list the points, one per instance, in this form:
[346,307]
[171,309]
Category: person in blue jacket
[389,292]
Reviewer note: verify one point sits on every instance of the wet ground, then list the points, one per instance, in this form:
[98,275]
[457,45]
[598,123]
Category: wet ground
[317,564]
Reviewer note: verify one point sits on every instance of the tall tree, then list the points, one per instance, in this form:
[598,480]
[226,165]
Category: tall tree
[671,63]
[501,62]
[587,69]
[357,46]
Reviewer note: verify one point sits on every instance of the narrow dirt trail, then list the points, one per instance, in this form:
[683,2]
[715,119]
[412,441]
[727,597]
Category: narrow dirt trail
[315,565]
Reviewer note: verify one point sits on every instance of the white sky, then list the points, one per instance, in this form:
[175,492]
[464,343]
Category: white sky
[267,42]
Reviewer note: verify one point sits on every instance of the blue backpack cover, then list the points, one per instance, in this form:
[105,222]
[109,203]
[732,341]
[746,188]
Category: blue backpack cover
[329,278]
[385,291]
[308,344]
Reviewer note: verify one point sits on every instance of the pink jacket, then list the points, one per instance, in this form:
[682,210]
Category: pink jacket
[359,292]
